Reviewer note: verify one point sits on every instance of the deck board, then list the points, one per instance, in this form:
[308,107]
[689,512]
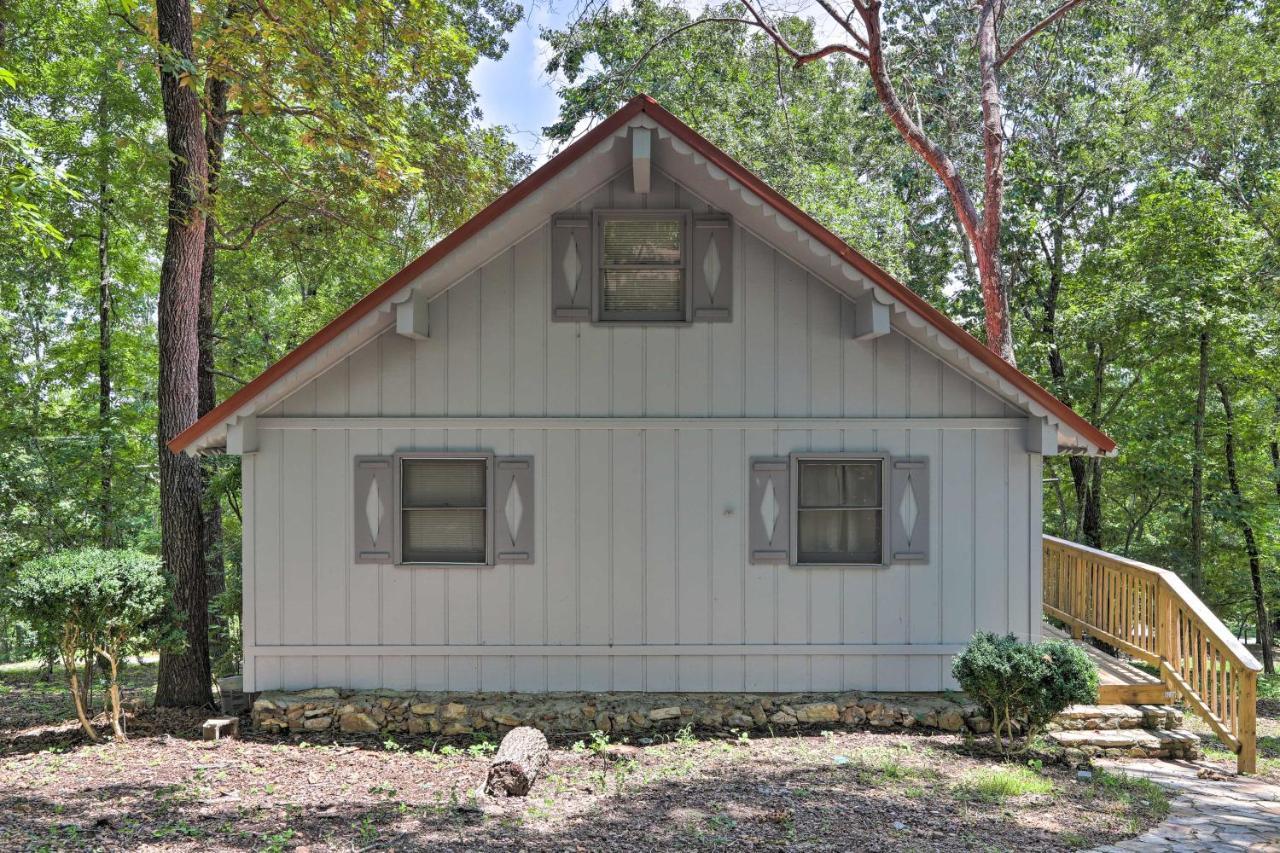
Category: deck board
[1118,682]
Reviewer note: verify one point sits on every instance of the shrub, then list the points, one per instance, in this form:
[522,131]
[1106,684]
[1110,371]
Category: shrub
[111,603]
[1024,682]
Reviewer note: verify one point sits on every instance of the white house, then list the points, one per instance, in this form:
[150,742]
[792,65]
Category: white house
[639,425]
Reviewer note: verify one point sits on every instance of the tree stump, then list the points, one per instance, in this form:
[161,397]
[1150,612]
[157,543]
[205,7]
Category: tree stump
[521,757]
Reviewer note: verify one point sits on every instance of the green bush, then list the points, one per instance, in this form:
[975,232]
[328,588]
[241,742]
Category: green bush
[94,601]
[1023,683]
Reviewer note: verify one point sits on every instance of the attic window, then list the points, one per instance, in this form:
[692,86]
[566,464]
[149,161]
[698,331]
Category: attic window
[642,267]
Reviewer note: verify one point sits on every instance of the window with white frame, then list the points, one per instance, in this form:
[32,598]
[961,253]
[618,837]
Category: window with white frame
[445,509]
[641,270]
[839,510]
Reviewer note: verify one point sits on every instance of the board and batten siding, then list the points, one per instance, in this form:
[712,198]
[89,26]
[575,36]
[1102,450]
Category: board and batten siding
[641,543]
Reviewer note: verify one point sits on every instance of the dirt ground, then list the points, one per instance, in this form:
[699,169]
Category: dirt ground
[845,790]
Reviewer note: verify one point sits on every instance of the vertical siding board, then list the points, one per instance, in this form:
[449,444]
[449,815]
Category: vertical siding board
[728,549]
[627,538]
[297,532]
[332,467]
[954,478]
[531,299]
[560,511]
[268,473]
[594,533]
[248,568]
[756,312]
[693,545]
[659,593]
[497,333]
[991,531]
[430,672]
[791,300]
[1018,560]
[925,581]
[1035,534]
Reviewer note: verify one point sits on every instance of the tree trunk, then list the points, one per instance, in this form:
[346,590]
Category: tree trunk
[521,757]
[1250,542]
[215,136]
[184,677]
[995,298]
[106,525]
[1196,580]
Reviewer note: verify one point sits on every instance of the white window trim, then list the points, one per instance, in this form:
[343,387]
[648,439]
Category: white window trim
[794,474]
[602,215]
[399,460]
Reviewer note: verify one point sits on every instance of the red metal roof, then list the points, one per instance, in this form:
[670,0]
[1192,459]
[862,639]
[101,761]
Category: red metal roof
[508,200]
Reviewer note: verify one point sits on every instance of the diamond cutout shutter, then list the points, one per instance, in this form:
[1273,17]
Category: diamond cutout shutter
[513,509]
[711,266]
[770,511]
[909,511]
[571,274]
[373,530]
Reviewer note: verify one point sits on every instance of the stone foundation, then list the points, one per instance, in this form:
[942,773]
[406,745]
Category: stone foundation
[393,712]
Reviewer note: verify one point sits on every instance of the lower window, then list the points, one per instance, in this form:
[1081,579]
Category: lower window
[839,511]
[444,509]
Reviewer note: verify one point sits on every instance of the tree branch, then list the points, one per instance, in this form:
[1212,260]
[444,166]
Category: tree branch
[256,227]
[802,57]
[1036,30]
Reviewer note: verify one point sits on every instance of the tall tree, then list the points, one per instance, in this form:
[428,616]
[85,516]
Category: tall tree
[184,676]
[1240,512]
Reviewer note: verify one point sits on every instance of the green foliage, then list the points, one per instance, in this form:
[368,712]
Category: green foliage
[1024,684]
[115,599]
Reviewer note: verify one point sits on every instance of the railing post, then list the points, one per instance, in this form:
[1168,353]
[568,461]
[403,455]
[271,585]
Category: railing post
[1247,759]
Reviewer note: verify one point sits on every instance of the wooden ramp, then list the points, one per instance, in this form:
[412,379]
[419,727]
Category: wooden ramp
[1119,683]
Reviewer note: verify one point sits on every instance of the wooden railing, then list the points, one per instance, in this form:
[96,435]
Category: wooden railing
[1150,614]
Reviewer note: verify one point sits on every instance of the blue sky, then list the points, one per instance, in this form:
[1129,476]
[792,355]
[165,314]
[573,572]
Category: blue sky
[515,91]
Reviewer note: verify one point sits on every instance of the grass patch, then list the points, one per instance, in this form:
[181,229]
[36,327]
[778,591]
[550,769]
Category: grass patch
[997,784]
[1133,791]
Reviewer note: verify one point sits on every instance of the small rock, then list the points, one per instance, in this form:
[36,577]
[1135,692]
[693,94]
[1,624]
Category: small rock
[664,713]
[357,722]
[782,718]
[818,712]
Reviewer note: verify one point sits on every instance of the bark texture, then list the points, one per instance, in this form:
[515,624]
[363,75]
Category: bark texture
[521,758]
[215,138]
[184,677]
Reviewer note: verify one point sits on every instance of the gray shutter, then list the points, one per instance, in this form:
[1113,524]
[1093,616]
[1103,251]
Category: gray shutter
[909,511]
[571,273]
[770,511]
[513,509]
[711,266]
[374,528]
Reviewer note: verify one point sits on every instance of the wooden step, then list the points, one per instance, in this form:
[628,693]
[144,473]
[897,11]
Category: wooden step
[1133,694]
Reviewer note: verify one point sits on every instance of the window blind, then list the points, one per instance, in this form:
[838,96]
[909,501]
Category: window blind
[641,241]
[443,483]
